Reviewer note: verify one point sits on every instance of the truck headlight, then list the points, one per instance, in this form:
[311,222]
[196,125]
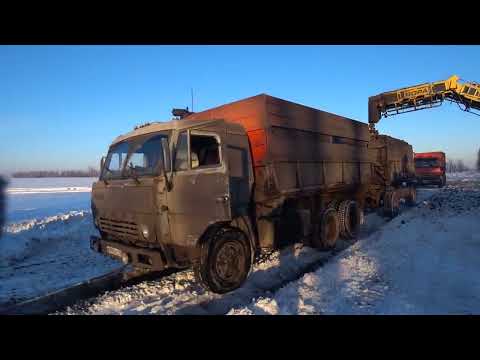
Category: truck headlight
[145,232]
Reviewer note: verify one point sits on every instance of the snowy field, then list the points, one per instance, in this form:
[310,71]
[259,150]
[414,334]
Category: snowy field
[423,262]
[45,245]
[30,199]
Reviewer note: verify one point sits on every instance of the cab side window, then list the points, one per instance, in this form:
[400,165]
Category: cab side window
[181,153]
[205,151]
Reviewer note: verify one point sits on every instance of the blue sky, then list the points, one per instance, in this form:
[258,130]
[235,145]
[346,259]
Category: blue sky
[61,106]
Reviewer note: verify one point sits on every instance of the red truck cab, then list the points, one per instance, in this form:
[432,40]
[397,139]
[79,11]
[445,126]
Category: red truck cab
[430,168]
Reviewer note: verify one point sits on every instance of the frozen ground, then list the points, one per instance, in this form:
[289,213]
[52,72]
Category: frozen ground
[29,199]
[425,261]
[45,245]
[40,256]
[464,176]
[179,294]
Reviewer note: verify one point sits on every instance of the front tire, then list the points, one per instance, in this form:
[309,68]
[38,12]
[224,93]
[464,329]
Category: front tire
[225,261]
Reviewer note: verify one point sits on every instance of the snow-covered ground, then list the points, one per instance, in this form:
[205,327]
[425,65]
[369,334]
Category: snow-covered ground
[37,198]
[464,176]
[40,256]
[424,261]
[179,294]
[45,245]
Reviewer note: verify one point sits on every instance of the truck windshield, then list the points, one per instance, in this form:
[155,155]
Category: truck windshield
[140,156]
[427,163]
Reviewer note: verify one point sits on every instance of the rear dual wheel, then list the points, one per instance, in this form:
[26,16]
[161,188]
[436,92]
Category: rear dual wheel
[351,217]
[339,219]
[327,230]
[391,206]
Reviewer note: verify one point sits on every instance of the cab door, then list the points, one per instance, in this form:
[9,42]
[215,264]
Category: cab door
[200,185]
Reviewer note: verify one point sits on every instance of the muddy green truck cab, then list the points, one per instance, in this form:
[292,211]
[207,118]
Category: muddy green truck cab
[212,189]
[180,180]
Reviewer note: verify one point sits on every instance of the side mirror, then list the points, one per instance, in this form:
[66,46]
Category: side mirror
[102,163]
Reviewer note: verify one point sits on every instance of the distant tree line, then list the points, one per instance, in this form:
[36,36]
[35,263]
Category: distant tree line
[90,172]
[453,166]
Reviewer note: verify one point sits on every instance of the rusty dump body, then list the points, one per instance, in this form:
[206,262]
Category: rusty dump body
[239,171]
[296,148]
[430,168]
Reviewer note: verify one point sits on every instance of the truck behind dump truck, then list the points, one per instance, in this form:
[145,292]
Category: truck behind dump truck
[212,189]
[430,168]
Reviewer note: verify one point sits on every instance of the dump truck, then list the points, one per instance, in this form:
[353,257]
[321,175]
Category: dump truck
[430,168]
[210,190]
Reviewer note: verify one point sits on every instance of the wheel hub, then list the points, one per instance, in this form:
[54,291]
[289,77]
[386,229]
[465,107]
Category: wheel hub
[228,261]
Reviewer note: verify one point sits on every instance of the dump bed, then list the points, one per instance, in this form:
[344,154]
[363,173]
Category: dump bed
[296,147]
[393,160]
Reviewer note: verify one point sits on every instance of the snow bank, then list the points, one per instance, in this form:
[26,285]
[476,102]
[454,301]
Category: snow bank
[40,256]
[22,239]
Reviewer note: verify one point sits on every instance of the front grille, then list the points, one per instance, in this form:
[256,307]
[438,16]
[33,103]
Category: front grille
[119,228]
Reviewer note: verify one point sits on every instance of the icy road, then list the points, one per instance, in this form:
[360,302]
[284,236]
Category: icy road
[423,262]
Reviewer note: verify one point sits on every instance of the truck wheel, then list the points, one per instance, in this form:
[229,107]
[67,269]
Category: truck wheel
[391,207]
[327,230]
[225,261]
[443,181]
[350,218]
[412,197]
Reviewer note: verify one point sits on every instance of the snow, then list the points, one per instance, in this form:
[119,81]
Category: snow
[178,293]
[36,198]
[464,176]
[423,262]
[48,190]
[45,245]
[58,182]
[40,256]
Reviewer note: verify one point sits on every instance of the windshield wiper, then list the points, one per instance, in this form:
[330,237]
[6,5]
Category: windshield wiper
[133,173]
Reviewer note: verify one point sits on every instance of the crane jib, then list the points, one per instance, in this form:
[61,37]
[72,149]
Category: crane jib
[423,96]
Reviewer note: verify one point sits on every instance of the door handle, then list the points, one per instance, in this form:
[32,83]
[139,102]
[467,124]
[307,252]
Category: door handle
[223,199]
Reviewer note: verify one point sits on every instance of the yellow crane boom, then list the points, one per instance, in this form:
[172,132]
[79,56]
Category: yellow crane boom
[423,96]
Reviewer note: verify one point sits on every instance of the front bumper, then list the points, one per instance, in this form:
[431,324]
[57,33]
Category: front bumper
[429,179]
[139,257]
